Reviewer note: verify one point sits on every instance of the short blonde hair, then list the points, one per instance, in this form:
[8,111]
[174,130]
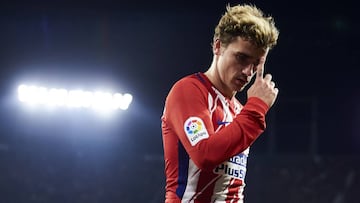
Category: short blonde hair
[248,22]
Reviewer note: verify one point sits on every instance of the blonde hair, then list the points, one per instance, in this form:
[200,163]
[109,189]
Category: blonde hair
[248,22]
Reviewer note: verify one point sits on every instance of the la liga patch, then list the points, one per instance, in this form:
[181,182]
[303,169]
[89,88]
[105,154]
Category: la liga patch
[195,130]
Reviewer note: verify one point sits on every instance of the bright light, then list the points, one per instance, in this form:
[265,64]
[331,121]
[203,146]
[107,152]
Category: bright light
[73,98]
[57,97]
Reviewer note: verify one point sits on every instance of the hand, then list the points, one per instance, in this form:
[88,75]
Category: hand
[263,87]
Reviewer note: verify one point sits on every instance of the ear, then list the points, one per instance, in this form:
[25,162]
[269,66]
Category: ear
[217,47]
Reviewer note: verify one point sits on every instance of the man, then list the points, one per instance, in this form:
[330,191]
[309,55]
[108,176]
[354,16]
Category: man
[206,131]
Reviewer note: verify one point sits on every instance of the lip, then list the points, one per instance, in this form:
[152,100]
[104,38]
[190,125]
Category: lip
[240,82]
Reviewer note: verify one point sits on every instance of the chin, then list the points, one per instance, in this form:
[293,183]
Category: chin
[241,88]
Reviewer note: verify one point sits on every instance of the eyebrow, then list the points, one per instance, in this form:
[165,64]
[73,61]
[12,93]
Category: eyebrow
[244,54]
[248,56]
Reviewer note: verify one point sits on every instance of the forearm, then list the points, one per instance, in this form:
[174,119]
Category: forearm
[234,138]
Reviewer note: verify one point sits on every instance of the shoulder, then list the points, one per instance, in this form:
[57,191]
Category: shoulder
[189,83]
[188,89]
[188,79]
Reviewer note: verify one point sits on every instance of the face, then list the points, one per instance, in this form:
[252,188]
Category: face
[236,64]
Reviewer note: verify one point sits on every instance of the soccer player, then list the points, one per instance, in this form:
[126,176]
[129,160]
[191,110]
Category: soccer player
[206,131]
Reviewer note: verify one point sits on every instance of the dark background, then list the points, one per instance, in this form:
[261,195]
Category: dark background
[143,47]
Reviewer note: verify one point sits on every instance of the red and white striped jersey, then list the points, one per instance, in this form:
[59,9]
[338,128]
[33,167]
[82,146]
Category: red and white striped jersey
[206,139]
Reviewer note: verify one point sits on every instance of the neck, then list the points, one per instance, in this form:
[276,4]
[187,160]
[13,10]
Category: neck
[213,75]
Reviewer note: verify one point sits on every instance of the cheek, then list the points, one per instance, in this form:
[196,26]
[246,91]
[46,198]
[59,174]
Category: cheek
[228,67]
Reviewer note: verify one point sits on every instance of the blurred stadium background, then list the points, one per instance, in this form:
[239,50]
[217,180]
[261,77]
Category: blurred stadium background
[309,153]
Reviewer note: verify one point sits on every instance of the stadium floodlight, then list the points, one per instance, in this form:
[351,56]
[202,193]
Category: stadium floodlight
[73,98]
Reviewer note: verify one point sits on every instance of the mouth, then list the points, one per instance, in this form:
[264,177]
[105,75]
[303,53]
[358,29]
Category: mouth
[240,82]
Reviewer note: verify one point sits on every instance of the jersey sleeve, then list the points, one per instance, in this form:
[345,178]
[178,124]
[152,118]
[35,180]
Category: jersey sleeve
[188,101]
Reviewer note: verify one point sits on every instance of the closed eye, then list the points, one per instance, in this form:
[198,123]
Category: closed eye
[246,60]
[243,59]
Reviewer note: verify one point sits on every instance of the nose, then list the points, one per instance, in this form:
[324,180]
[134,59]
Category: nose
[248,70]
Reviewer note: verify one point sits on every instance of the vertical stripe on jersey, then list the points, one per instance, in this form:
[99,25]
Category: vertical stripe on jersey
[193,179]
[182,170]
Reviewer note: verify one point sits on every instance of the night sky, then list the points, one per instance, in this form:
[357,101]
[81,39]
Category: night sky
[142,48]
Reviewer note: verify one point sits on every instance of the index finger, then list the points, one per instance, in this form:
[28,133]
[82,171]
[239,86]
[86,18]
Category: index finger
[260,71]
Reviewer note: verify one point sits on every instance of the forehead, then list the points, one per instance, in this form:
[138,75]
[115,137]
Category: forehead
[239,45]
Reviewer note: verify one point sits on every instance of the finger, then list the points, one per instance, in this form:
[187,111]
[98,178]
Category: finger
[260,71]
[268,78]
[272,84]
[276,90]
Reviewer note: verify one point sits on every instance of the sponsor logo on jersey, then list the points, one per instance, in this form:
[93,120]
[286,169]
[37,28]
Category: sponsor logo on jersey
[235,167]
[195,130]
